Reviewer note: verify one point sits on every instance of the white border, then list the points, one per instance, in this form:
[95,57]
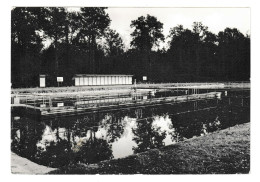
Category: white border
[5,83]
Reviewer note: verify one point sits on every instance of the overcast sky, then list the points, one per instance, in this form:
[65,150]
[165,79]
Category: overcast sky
[217,19]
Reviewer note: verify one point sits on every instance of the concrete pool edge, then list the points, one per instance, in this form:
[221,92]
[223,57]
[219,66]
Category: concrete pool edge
[21,165]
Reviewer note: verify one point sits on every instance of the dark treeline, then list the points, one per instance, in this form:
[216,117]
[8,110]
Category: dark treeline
[83,43]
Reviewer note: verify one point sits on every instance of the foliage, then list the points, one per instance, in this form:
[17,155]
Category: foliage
[147,33]
[57,42]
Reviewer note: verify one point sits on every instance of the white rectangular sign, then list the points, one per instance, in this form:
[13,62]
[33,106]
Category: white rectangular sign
[59,79]
[144,77]
[42,82]
[60,104]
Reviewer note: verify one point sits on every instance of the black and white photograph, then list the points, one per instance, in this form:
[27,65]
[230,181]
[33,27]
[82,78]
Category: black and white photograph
[130,90]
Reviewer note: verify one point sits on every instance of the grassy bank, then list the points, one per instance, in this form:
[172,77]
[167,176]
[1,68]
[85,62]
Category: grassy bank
[225,151]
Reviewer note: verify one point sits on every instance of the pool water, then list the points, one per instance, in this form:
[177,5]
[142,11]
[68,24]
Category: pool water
[99,136]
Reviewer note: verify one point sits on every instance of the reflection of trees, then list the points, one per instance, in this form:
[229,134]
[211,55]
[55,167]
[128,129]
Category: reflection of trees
[230,115]
[186,126]
[93,151]
[62,152]
[194,123]
[146,136]
[65,147]
[114,125]
[56,154]
[65,150]
[24,143]
[88,149]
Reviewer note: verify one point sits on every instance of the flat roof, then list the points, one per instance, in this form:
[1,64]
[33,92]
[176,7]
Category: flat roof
[79,75]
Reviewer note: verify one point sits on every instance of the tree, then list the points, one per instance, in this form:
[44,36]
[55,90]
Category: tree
[208,56]
[199,31]
[114,43]
[94,22]
[193,51]
[234,55]
[26,45]
[82,42]
[55,29]
[114,49]
[147,33]
[181,49]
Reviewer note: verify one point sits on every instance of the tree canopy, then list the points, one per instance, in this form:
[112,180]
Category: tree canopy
[57,42]
[147,32]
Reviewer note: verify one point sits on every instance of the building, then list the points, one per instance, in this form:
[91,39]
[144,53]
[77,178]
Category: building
[87,79]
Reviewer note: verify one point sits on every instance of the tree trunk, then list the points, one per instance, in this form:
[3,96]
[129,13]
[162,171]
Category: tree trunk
[92,60]
[197,63]
[56,56]
[67,65]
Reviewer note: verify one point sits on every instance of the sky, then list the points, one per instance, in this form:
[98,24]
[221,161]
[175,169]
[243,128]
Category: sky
[216,19]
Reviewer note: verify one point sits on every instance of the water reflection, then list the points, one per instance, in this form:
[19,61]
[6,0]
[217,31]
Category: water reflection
[105,135]
[146,136]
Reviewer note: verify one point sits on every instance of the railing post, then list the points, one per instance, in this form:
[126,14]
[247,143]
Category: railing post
[50,102]
[34,101]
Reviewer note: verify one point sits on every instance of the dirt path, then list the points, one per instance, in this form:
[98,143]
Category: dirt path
[20,165]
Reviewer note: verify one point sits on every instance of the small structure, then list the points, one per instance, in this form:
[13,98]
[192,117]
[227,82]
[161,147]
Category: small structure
[42,81]
[59,80]
[88,79]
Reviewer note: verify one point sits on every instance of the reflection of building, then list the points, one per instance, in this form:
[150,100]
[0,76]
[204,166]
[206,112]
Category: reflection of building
[86,79]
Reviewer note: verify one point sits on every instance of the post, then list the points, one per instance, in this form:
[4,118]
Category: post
[42,80]
[177,89]
[50,102]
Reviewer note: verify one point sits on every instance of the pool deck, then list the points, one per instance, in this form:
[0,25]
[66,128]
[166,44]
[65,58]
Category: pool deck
[83,109]
[119,88]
